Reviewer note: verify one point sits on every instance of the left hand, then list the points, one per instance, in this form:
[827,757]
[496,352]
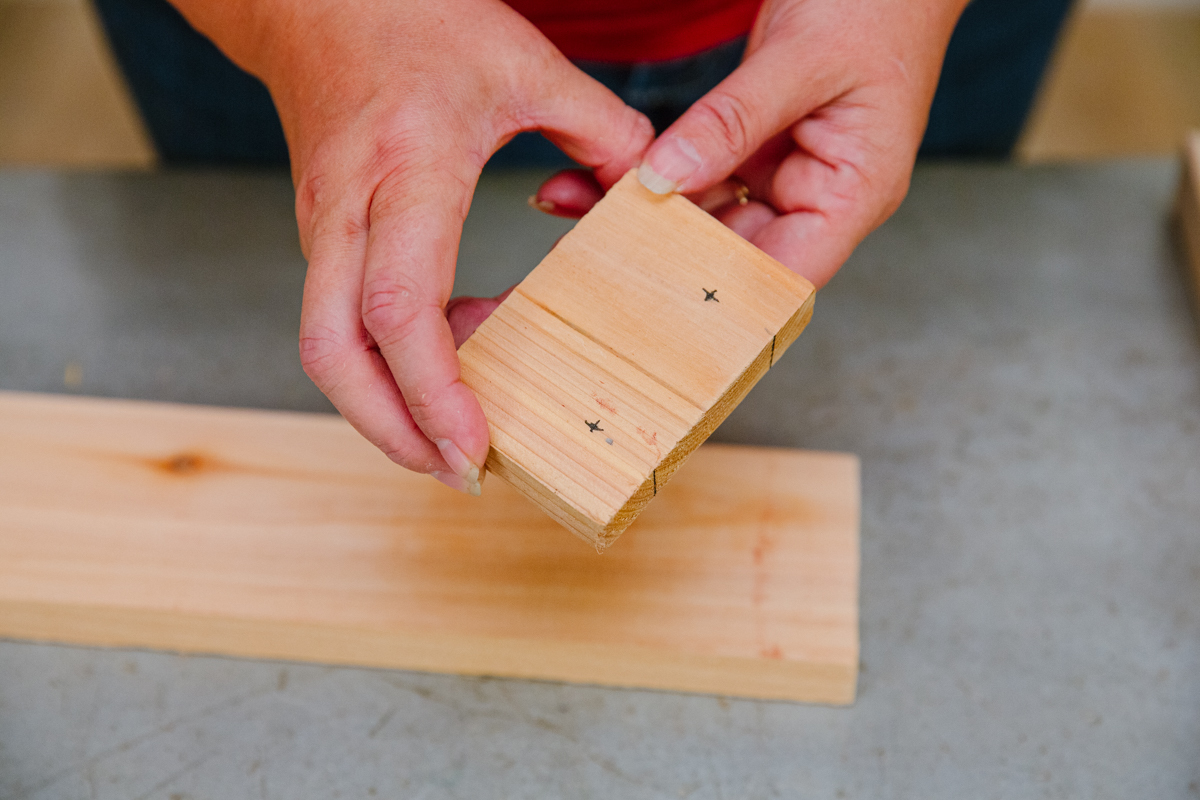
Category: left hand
[822,122]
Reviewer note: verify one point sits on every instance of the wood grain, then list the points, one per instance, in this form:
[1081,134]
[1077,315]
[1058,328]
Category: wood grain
[281,535]
[623,350]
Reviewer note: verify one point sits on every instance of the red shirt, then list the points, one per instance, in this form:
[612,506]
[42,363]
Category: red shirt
[638,30]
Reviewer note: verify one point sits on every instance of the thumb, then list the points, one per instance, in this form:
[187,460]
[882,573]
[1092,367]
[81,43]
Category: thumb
[587,121]
[767,93]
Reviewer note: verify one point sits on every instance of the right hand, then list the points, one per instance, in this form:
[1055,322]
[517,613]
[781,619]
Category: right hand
[390,110]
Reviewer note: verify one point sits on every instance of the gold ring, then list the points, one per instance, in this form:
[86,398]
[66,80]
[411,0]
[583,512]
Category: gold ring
[742,192]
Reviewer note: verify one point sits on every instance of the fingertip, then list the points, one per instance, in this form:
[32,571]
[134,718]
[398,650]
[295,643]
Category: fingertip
[669,164]
[650,179]
[593,126]
[460,464]
[459,431]
[545,206]
[640,138]
[464,446]
[457,483]
[570,193]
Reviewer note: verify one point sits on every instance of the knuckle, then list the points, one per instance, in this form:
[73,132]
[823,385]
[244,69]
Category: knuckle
[308,194]
[407,455]
[427,406]
[423,409]
[326,213]
[897,191]
[322,182]
[730,118]
[405,145]
[391,309]
[312,188]
[322,353]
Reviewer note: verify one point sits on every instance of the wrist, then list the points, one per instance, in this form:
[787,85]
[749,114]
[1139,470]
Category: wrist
[244,30]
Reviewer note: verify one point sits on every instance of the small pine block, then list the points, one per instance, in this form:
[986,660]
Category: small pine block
[266,534]
[1187,209]
[623,350]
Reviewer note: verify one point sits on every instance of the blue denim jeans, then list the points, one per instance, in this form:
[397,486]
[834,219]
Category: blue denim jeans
[200,108]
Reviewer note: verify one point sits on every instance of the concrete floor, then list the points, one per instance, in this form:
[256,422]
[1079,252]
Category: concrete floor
[1012,356]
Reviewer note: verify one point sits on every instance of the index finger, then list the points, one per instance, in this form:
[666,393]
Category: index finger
[416,222]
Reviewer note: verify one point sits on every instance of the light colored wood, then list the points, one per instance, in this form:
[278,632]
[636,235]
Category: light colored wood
[1123,82]
[623,350]
[63,100]
[280,535]
[1187,210]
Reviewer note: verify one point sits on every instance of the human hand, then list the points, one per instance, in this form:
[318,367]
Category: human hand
[821,122]
[390,110]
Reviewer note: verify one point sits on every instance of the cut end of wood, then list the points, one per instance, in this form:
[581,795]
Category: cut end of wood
[623,351]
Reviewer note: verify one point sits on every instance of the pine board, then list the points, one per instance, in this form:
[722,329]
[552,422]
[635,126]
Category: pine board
[623,350]
[286,536]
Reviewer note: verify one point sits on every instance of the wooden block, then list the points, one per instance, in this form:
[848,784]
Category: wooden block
[1187,209]
[622,352]
[280,535]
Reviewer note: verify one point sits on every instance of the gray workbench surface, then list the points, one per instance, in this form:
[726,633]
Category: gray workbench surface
[1012,356]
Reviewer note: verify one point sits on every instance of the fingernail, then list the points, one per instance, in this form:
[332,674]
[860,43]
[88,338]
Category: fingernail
[454,482]
[541,205]
[470,474]
[672,163]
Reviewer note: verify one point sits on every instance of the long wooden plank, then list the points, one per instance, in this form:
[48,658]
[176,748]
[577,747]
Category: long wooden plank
[1188,210]
[282,535]
[622,352]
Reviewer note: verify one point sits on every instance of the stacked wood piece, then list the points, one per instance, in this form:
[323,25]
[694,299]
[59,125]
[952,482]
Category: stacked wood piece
[622,352]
